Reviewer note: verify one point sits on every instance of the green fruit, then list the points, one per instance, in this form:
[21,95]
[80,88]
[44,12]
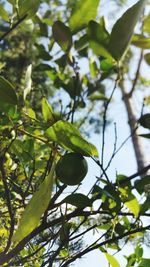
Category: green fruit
[71,169]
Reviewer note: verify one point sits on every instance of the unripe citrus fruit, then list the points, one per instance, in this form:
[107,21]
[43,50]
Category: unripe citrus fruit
[71,169]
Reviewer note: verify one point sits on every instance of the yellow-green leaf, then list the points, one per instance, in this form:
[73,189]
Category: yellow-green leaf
[36,207]
[112,261]
[146,24]
[67,136]
[47,111]
[133,205]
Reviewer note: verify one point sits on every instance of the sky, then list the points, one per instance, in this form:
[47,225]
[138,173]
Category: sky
[123,163]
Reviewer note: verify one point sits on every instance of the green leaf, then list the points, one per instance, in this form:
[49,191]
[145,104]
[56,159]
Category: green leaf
[36,207]
[98,39]
[81,43]
[47,111]
[28,8]
[145,120]
[3,13]
[28,81]
[141,41]
[99,96]
[7,92]
[79,200]
[145,135]
[141,183]
[144,263]
[62,35]
[123,30]
[82,13]
[67,136]
[133,205]
[112,261]
[146,24]
[147,58]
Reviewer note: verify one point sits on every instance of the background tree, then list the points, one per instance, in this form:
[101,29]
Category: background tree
[48,107]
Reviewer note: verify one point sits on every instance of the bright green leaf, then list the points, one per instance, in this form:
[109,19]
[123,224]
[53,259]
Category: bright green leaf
[7,92]
[133,205]
[62,35]
[47,111]
[146,24]
[141,41]
[82,13]
[67,136]
[112,261]
[99,96]
[36,207]
[79,200]
[3,13]
[123,30]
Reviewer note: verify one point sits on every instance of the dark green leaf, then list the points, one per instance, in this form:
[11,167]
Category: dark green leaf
[141,183]
[7,92]
[147,58]
[144,263]
[81,43]
[82,13]
[62,35]
[79,200]
[123,30]
[28,8]
[67,136]
[145,120]
[98,39]
[145,135]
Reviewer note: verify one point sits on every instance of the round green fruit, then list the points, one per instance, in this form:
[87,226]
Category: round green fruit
[71,169]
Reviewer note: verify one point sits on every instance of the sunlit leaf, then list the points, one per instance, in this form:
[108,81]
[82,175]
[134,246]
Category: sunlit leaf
[62,35]
[67,136]
[28,81]
[123,30]
[99,96]
[7,92]
[133,205]
[112,261]
[82,13]
[47,111]
[3,13]
[36,207]
[141,41]
[146,24]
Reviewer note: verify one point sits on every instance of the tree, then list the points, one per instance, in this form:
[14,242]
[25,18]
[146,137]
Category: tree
[46,105]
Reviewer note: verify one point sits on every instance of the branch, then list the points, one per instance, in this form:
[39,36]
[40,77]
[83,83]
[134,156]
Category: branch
[106,242]
[13,27]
